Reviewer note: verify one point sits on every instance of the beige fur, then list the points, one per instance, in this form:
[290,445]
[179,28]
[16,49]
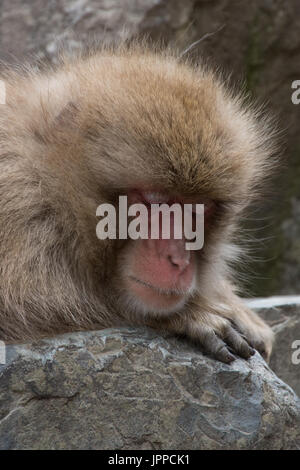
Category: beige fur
[78,135]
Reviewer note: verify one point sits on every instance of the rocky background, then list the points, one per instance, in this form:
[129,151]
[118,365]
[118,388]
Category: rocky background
[283,315]
[259,45]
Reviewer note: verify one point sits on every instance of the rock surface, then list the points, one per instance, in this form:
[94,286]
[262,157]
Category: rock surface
[283,314]
[132,389]
[258,45]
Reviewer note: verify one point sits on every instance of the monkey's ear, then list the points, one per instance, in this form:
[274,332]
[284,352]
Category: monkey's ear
[57,126]
[67,116]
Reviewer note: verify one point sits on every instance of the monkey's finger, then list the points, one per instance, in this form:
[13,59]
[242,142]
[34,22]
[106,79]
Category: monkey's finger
[260,346]
[237,343]
[256,344]
[215,347]
[242,332]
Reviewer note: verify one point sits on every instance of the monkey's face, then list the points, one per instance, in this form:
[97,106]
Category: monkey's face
[159,274]
[164,128]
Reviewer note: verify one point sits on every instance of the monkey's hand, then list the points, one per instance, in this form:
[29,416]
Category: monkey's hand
[223,330]
[214,335]
[257,333]
[218,337]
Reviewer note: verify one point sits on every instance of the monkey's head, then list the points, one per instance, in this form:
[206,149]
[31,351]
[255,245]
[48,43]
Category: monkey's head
[158,130]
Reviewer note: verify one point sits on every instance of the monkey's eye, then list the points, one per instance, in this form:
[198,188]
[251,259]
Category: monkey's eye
[161,197]
[148,197]
[209,207]
[155,197]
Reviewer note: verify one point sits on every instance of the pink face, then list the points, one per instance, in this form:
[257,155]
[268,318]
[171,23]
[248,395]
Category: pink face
[161,273]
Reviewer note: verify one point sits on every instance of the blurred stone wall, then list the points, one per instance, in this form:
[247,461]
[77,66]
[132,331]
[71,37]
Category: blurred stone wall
[259,45]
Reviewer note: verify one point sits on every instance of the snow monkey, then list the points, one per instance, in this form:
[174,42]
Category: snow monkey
[139,122]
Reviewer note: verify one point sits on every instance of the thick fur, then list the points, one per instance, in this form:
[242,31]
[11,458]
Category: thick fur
[79,134]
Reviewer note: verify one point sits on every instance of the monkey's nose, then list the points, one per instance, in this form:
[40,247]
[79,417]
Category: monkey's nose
[179,262]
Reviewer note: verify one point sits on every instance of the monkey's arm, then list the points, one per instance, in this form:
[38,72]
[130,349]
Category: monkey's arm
[221,328]
[215,335]
[241,323]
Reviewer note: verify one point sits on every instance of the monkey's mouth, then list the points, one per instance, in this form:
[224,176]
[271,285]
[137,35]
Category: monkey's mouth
[156,298]
[158,290]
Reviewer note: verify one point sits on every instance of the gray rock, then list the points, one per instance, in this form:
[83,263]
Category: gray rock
[283,314]
[132,389]
[38,27]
